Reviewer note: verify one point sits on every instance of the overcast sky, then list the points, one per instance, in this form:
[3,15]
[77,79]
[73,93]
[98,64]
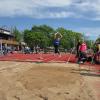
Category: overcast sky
[77,15]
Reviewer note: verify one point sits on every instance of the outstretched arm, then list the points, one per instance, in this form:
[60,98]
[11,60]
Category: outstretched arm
[58,35]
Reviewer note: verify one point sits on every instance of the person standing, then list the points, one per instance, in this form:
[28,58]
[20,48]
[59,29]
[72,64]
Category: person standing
[77,48]
[97,53]
[56,42]
[82,52]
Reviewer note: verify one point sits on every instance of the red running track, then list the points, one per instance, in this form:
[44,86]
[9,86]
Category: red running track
[45,58]
[37,57]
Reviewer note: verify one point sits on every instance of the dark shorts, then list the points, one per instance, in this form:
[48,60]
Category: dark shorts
[56,48]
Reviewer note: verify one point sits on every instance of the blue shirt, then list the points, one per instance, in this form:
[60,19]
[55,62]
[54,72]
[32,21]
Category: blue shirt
[56,42]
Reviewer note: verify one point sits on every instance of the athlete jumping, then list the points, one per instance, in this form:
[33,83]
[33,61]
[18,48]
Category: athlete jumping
[57,38]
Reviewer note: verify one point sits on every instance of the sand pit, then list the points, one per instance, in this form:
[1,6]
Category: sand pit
[28,81]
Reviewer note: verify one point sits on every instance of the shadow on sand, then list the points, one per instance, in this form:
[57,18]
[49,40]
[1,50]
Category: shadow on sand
[87,72]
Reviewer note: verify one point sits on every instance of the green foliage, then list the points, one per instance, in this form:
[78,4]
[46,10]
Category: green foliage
[46,32]
[89,44]
[38,35]
[17,34]
[43,36]
[43,28]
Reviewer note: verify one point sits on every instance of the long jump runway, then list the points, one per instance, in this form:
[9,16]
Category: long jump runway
[37,57]
[45,58]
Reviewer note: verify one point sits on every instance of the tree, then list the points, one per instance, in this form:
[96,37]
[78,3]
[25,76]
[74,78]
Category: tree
[35,38]
[46,30]
[17,34]
[43,36]
[28,37]
[89,44]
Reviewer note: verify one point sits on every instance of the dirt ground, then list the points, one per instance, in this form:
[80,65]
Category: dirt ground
[51,81]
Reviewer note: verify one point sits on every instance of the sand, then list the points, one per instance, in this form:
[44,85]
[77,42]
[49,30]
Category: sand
[31,81]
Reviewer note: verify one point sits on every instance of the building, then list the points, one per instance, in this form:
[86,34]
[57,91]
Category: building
[7,40]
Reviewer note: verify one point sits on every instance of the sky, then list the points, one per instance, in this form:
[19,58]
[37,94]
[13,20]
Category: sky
[77,15]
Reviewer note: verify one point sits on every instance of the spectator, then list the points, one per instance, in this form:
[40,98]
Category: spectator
[82,52]
[77,48]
